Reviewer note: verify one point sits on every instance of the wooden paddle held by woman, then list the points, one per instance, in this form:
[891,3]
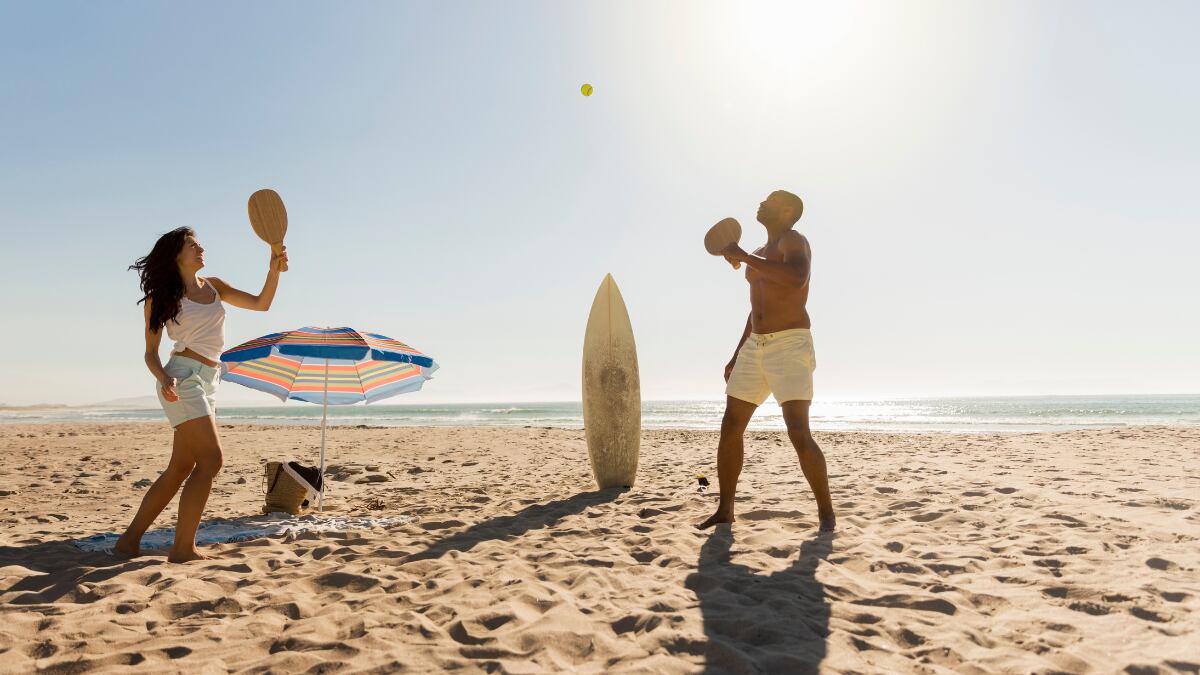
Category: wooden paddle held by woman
[268,217]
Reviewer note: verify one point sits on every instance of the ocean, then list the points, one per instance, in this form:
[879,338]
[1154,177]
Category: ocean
[991,414]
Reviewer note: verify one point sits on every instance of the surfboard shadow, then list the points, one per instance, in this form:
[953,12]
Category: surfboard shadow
[533,517]
[758,622]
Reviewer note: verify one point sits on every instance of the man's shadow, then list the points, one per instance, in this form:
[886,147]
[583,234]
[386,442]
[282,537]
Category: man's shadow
[529,518]
[776,622]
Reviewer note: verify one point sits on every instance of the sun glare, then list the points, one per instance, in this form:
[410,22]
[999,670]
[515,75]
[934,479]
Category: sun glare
[820,39]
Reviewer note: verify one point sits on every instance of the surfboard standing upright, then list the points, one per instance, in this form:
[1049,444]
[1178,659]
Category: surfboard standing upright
[612,393]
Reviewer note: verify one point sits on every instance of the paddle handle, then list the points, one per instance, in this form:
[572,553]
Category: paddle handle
[275,249]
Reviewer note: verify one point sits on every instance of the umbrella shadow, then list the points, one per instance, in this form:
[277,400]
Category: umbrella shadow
[63,568]
[529,518]
[777,622]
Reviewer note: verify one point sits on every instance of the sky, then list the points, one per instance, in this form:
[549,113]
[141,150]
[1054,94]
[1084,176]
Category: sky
[999,195]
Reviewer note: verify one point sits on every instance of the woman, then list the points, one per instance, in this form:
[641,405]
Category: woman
[190,308]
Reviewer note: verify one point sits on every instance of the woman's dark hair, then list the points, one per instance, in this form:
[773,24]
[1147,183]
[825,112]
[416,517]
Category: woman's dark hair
[160,280]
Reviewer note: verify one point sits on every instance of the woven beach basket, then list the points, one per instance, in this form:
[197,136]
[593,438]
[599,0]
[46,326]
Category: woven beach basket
[290,487]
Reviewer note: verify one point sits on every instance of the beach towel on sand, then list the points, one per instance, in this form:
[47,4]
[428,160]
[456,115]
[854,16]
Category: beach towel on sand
[223,530]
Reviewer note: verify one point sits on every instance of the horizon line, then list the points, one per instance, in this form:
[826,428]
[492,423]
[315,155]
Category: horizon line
[245,403]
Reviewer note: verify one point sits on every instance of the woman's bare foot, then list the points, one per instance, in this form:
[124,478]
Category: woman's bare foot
[126,549]
[721,516]
[828,524]
[186,556]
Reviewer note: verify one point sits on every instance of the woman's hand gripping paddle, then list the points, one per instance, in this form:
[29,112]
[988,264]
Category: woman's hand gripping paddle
[269,219]
[721,236]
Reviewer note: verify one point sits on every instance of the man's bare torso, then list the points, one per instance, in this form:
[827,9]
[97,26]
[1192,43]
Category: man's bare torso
[774,306]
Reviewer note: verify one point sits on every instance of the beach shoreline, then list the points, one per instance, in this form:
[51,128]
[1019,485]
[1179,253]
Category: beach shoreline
[1019,414]
[984,552]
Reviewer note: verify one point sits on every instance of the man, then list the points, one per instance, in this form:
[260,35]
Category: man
[775,354]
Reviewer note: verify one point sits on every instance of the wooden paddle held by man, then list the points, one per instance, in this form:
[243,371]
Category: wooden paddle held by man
[268,217]
[721,236]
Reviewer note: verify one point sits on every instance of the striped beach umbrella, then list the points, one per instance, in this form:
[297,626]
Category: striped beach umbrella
[330,366]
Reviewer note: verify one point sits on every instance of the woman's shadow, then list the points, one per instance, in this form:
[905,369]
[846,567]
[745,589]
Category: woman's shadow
[776,622]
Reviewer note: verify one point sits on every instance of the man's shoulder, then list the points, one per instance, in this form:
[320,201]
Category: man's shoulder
[797,241]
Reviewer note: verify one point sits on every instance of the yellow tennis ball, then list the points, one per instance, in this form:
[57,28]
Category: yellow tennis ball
[586,89]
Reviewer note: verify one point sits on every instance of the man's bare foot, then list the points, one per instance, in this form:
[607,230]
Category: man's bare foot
[828,524]
[716,518]
[125,549]
[186,556]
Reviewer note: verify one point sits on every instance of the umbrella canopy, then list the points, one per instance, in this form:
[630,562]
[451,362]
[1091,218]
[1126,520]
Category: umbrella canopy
[330,366]
[360,366]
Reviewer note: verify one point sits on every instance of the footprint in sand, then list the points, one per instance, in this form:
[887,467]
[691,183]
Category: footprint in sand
[42,650]
[1161,564]
[644,556]
[946,569]
[906,601]
[1006,490]
[338,581]
[219,606]
[927,517]
[1070,521]
[1089,608]
[907,638]
[898,568]
[441,524]
[636,623]
[177,652]
[289,609]
[1148,615]
[887,490]
[866,618]
[767,514]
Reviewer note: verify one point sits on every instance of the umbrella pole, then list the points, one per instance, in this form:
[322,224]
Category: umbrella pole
[324,412]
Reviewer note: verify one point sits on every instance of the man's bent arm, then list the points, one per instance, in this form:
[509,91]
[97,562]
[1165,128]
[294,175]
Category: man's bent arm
[793,270]
[791,273]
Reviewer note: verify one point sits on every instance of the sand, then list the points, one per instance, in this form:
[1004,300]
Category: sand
[1065,552]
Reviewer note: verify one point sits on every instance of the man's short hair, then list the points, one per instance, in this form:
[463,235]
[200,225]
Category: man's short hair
[792,201]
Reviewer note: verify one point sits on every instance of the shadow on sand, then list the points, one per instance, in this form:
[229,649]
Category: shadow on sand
[60,567]
[756,622]
[529,518]
[63,568]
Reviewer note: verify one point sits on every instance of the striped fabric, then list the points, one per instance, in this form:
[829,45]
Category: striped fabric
[361,366]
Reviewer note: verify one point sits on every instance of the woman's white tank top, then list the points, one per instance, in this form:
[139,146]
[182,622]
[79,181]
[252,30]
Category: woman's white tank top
[199,327]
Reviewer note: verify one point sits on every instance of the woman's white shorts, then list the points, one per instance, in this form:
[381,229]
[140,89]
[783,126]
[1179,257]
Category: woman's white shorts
[196,384]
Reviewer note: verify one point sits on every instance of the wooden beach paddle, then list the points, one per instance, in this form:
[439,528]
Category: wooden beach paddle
[268,218]
[723,235]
